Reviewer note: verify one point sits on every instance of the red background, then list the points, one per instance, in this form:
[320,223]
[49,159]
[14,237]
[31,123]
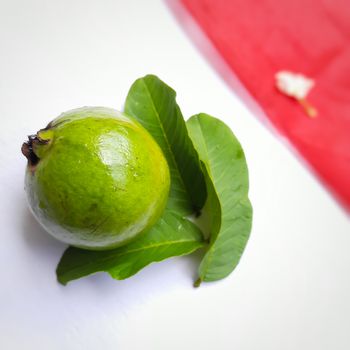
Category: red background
[258,38]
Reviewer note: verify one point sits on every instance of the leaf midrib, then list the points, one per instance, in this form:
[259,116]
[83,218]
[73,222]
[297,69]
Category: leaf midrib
[151,246]
[211,249]
[165,137]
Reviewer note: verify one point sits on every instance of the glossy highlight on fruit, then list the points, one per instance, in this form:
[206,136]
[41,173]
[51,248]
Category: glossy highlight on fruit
[95,178]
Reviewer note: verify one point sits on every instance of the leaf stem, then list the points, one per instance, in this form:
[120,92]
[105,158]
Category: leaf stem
[197,283]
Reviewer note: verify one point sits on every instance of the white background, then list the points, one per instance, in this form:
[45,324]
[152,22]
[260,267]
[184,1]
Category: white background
[292,287]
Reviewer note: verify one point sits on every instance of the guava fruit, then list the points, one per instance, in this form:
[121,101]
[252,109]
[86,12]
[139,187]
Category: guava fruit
[95,179]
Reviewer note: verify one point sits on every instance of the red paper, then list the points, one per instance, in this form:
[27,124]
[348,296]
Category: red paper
[258,38]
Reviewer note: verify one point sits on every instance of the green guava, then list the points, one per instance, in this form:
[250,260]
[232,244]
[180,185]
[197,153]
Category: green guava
[95,178]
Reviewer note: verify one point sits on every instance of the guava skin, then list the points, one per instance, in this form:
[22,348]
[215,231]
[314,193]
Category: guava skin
[95,179]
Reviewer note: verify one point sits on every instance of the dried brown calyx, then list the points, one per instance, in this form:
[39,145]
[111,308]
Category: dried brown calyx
[28,149]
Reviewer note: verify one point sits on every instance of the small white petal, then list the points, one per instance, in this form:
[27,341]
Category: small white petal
[293,84]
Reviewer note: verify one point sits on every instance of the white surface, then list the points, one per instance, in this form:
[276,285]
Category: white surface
[291,289]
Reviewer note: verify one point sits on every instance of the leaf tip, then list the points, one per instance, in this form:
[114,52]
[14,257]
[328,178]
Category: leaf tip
[61,280]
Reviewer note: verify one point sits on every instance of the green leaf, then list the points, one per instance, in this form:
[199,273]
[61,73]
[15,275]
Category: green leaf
[228,204]
[153,104]
[171,236]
